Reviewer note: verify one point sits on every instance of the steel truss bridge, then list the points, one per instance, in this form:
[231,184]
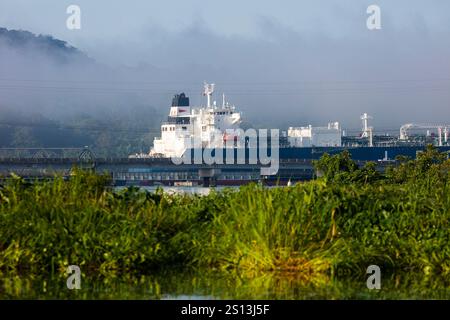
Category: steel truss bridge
[46,163]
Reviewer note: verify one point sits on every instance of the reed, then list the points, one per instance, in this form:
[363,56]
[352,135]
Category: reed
[313,228]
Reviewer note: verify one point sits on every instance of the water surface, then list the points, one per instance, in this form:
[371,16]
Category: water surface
[206,284]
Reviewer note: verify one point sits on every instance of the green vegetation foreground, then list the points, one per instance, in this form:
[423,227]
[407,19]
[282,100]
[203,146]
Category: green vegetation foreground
[349,218]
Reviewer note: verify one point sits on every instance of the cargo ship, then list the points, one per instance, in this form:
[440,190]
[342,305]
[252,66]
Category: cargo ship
[214,128]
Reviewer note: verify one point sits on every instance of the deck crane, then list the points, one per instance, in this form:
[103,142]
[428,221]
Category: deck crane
[367,131]
[443,130]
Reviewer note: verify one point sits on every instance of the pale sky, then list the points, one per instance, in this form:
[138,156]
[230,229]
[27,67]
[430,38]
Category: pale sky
[128,22]
[288,62]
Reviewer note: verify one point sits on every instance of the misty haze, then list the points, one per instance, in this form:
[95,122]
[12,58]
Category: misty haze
[109,84]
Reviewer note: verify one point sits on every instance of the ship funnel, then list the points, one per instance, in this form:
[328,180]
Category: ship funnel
[180,100]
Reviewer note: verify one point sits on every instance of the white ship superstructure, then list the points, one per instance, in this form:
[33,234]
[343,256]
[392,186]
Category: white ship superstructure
[329,136]
[201,127]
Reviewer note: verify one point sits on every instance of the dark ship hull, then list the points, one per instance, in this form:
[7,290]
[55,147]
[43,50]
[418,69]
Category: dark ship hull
[295,164]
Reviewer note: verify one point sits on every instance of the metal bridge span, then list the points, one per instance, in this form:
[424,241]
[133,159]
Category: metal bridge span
[156,171]
[295,165]
[46,163]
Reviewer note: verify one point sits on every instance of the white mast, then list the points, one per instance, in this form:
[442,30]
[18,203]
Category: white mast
[365,119]
[208,91]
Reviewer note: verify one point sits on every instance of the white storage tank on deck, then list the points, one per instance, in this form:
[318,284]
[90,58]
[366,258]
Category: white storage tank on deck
[310,136]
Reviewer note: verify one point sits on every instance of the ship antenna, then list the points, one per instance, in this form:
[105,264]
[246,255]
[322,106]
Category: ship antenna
[208,90]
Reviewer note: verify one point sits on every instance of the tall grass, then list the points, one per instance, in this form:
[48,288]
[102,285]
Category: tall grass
[316,227]
[313,228]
